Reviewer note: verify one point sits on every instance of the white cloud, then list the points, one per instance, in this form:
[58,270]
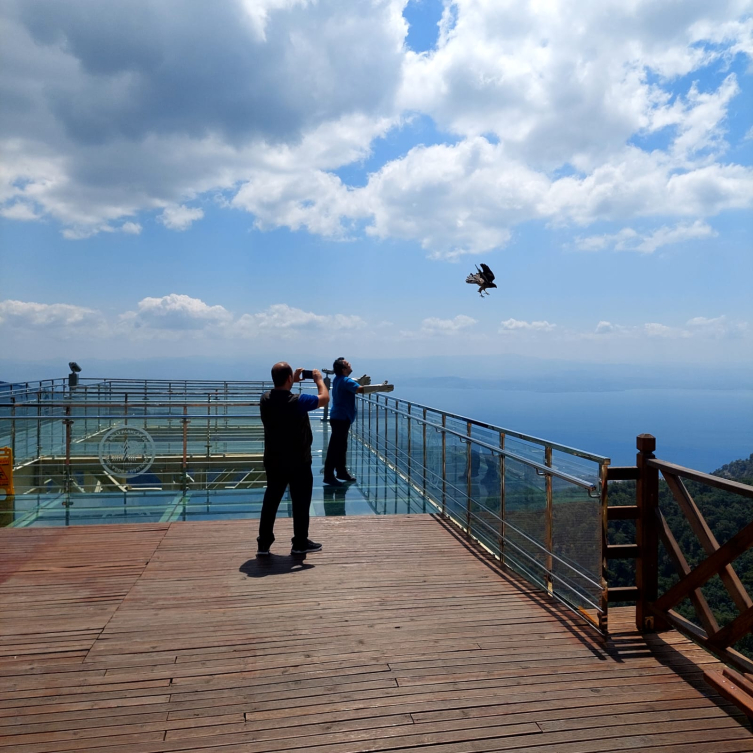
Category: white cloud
[435,325]
[180,217]
[516,325]
[131,228]
[19,211]
[628,239]
[31,315]
[81,232]
[698,327]
[544,103]
[716,327]
[655,329]
[116,111]
[286,321]
[605,328]
[175,312]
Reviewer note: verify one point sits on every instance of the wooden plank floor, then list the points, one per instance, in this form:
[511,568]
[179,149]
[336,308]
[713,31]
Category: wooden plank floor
[398,636]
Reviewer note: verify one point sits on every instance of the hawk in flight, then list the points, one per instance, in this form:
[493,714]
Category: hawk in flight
[484,278]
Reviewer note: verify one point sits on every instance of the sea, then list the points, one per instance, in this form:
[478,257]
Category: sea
[700,429]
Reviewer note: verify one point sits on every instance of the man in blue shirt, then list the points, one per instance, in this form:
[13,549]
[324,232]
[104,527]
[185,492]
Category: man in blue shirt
[341,416]
[287,455]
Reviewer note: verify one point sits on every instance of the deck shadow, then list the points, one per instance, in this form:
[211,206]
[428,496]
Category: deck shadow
[261,567]
[630,644]
[587,636]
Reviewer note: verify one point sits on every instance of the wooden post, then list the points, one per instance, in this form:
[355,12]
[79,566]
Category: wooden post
[603,505]
[647,535]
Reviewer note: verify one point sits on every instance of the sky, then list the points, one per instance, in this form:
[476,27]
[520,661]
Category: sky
[274,178]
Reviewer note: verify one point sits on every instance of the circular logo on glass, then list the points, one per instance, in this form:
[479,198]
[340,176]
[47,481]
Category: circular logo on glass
[126,451]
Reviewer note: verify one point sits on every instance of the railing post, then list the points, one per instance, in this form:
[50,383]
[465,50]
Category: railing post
[184,464]
[603,503]
[468,480]
[549,527]
[13,425]
[647,537]
[444,466]
[39,426]
[209,421]
[502,511]
[397,435]
[423,472]
[67,480]
[410,449]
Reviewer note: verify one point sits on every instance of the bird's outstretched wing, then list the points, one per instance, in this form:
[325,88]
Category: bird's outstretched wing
[475,279]
[487,273]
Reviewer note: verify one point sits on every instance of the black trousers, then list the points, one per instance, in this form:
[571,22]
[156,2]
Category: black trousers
[338,448]
[301,482]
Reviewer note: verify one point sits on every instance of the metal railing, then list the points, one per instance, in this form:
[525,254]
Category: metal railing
[200,436]
[538,506]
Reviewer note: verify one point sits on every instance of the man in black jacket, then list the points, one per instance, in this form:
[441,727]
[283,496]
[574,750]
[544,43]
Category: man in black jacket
[287,455]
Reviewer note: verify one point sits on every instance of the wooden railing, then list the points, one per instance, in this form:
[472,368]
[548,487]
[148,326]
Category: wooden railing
[655,611]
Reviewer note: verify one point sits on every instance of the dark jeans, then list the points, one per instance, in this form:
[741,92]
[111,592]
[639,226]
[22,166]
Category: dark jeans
[337,449]
[301,482]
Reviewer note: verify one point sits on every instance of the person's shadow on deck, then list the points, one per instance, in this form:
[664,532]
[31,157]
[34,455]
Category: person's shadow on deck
[261,567]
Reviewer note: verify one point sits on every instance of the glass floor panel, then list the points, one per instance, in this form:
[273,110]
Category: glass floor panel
[379,490]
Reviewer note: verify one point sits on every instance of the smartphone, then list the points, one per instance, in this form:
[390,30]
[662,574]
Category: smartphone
[307,374]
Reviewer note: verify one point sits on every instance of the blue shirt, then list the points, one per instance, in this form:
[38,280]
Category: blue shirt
[344,398]
[307,403]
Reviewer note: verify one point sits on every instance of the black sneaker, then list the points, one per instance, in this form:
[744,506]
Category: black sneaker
[311,546]
[332,482]
[262,552]
[347,478]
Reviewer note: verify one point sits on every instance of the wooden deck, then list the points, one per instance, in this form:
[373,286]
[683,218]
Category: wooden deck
[398,636]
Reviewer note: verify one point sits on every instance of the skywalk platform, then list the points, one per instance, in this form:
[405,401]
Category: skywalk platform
[399,636]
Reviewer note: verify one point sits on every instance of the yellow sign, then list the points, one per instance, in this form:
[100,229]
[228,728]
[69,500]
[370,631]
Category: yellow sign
[6,470]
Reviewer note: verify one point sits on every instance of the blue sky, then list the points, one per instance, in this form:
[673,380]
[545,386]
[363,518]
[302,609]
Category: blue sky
[289,177]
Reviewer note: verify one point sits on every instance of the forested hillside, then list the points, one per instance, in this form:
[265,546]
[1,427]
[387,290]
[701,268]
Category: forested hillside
[725,514]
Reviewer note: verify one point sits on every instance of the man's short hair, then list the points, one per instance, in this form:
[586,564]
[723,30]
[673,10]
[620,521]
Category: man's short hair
[339,365]
[280,373]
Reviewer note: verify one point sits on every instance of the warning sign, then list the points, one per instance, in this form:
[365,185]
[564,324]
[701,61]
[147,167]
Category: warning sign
[6,470]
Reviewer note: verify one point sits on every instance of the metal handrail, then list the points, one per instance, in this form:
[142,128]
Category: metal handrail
[508,432]
[544,469]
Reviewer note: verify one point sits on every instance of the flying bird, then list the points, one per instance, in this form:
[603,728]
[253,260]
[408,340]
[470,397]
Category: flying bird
[484,278]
